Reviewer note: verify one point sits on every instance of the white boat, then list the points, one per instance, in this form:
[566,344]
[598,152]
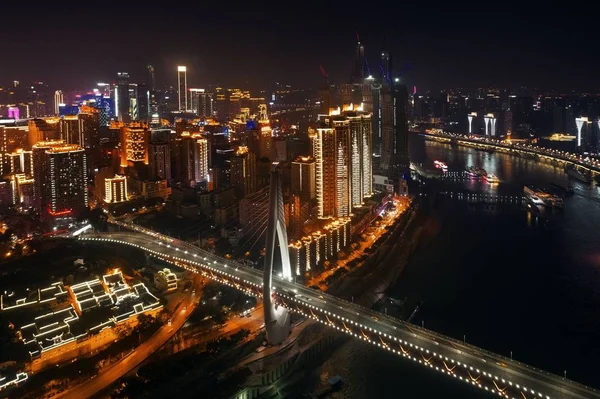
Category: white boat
[492,179]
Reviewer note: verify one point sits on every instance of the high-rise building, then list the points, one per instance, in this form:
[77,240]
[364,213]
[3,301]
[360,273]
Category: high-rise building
[143,102]
[342,150]
[394,115]
[152,100]
[195,97]
[71,129]
[304,178]
[58,101]
[361,165]
[325,154]
[90,134]
[43,129]
[191,165]
[221,104]
[134,145]
[60,175]
[115,189]
[243,172]
[182,88]
[121,97]
[159,162]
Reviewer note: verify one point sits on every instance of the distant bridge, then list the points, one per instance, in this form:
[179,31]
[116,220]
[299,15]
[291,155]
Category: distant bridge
[590,164]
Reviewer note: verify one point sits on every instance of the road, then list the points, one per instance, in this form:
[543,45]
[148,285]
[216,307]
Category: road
[141,353]
[552,386]
[590,163]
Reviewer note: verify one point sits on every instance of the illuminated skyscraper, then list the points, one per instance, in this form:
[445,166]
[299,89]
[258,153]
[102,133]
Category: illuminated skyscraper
[134,145]
[361,166]
[191,158]
[182,88]
[58,101]
[243,172]
[60,175]
[331,150]
[304,178]
[121,97]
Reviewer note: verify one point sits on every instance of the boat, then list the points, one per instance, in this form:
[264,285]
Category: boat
[562,137]
[577,174]
[475,171]
[440,165]
[535,200]
[492,179]
[531,190]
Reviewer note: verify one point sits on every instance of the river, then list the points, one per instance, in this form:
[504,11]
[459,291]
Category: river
[504,278]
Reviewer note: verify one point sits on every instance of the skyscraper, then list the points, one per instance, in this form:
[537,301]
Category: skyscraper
[304,178]
[152,101]
[361,147]
[191,163]
[60,176]
[243,172]
[394,132]
[58,100]
[121,97]
[182,93]
[143,102]
[399,162]
[342,150]
[134,145]
[159,161]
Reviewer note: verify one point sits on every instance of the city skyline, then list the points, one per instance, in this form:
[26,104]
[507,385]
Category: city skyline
[431,47]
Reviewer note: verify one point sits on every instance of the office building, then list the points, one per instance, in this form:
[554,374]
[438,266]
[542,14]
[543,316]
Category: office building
[143,102]
[243,172]
[342,151]
[59,100]
[182,92]
[43,129]
[324,152]
[394,157]
[115,189]
[303,182]
[121,97]
[60,176]
[361,158]
[190,156]
[152,100]
[134,145]
[159,162]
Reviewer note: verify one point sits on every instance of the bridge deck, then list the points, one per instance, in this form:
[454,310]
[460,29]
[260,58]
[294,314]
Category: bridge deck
[472,365]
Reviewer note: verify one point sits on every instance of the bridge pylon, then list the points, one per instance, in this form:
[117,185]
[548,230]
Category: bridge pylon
[277,318]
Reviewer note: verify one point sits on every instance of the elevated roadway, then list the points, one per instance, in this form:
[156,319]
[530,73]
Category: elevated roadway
[475,366]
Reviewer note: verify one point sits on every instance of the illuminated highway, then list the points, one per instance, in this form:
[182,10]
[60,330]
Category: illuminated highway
[482,369]
[582,161]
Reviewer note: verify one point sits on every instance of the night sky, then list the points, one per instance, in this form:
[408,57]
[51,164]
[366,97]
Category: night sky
[78,44]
